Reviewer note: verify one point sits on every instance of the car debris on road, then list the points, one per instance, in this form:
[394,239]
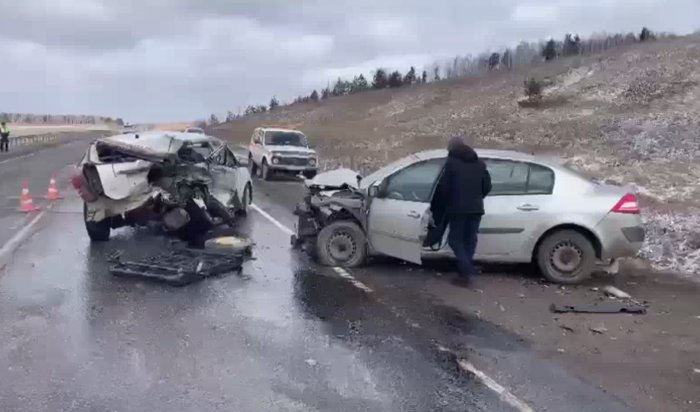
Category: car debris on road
[179,267]
[602,307]
[183,180]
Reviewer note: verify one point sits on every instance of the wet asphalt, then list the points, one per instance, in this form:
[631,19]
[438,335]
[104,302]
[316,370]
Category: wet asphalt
[284,335]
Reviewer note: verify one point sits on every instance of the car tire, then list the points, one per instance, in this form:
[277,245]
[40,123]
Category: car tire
[341,243]
[310,175]
[246,200]
[265,172]
[566,257]
[97,231]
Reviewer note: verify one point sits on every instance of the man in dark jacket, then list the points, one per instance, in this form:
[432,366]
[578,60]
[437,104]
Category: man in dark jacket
[464,184]
[4,137]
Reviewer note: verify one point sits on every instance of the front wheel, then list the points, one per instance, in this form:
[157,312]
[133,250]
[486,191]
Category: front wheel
[265,171]
[253,167]
[97,231]
[246,200]
[342,243]
[566,257]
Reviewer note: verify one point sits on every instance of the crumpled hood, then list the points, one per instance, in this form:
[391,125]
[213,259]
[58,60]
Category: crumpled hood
[291,149]
[335,179]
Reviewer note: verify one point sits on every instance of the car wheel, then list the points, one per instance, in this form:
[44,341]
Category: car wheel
[253,167]
[342,243]
[566,257]
[310,175]
[97,231]
[246,200]
[265,171]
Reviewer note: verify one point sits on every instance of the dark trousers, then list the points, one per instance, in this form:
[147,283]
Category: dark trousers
[462,238]
[4,144]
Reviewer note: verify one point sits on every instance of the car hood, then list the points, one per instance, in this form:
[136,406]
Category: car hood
[291,150]
[335,179]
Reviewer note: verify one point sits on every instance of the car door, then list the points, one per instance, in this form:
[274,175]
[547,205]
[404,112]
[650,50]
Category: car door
[224,178]
[519,205]
[399,213]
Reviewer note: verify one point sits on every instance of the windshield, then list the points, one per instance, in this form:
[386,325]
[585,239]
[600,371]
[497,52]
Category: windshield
[285,139]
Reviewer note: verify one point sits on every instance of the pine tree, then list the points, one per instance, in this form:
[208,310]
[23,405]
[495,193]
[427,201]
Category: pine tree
[436,74]
[646,35]
[313,96]
[380,79]
[325,93]
[395,79]
[549,52]
[507,59]
[230,117]
[424,77]
[274,103]
[494,60]
[410,77]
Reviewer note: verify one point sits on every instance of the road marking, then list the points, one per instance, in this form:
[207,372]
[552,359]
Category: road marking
[272,220]
[11,245]
[503,393]
[17,158]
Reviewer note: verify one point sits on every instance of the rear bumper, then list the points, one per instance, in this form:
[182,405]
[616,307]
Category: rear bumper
[620,236]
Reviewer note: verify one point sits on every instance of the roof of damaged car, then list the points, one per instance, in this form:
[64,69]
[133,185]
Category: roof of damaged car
[155,142]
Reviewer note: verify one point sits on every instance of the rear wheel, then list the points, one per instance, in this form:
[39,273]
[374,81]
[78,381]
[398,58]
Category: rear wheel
[566,257]
[253,167]
[97,231]
[342,243]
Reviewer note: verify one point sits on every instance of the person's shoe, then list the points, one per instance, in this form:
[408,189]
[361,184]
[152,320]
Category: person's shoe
[462,282]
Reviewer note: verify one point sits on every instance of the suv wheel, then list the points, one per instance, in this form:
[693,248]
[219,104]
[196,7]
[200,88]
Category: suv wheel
[342,243]
[97,231]
[253,167]
[566,257]
[246,200]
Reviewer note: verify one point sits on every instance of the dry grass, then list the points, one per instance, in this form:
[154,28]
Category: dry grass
[628,116]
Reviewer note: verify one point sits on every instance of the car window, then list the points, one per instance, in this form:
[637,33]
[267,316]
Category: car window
[507,177]
[541,180]
[510,177]
[415,182]
[285,139]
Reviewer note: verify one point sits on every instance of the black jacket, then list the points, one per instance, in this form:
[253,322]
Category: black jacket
[464,183]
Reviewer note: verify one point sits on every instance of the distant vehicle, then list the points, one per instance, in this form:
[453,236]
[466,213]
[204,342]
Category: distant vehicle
[273,150]
[129,128]
[183,180]
[197,130]
[538,211]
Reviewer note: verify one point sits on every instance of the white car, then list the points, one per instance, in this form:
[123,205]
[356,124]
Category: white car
[538,211]
[273,150]
[183,180]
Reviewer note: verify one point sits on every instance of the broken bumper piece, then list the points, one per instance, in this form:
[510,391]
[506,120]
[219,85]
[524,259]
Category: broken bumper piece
[179,267]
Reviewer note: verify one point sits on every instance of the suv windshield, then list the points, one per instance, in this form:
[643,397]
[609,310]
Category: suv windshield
[285,139]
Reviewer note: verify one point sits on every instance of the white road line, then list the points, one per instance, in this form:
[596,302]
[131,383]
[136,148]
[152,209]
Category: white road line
[272,220]
[17,158]
[503,393]
[11,245]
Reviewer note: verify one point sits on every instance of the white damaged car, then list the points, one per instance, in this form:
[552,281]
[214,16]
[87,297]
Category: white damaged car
[183,180]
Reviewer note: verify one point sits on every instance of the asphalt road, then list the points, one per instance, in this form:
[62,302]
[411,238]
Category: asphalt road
[285,336]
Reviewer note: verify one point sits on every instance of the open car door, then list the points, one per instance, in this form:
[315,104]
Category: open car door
[399,213]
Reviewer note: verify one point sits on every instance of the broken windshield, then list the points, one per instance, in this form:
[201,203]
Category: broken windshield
[285,139]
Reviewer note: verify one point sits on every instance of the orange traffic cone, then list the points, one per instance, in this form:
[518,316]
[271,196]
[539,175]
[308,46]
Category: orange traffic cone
[26,204]
[52,193]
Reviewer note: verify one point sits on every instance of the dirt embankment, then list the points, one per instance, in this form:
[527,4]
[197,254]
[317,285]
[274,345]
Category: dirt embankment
[627,116]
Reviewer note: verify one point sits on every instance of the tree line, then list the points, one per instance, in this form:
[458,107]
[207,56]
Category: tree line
[57,119]
[525,54]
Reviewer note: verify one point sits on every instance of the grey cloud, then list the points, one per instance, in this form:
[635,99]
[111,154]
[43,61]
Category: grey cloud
[174,59]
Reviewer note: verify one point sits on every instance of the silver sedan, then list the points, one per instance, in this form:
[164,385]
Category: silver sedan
[538,211]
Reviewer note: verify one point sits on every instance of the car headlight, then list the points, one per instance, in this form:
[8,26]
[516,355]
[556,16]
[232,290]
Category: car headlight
[275,160]
[312,162]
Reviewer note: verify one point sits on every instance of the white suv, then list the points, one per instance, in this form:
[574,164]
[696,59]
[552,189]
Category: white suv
[274,150]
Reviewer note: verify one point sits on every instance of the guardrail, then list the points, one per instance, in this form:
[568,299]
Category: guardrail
[30,140]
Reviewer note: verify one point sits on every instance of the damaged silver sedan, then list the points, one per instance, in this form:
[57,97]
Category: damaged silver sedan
[538,211]
[187,181]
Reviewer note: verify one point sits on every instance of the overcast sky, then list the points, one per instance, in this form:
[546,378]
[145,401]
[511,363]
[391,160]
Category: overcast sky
[172,60]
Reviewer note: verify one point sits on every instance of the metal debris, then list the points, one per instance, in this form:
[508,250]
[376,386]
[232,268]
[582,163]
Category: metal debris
[178,267]
[613,291]
[603,307]
[599,330]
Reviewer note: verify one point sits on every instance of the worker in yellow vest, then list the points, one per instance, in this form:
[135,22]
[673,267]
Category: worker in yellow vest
[4,137]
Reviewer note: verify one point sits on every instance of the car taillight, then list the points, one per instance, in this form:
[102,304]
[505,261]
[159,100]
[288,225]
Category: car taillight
[628,204]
